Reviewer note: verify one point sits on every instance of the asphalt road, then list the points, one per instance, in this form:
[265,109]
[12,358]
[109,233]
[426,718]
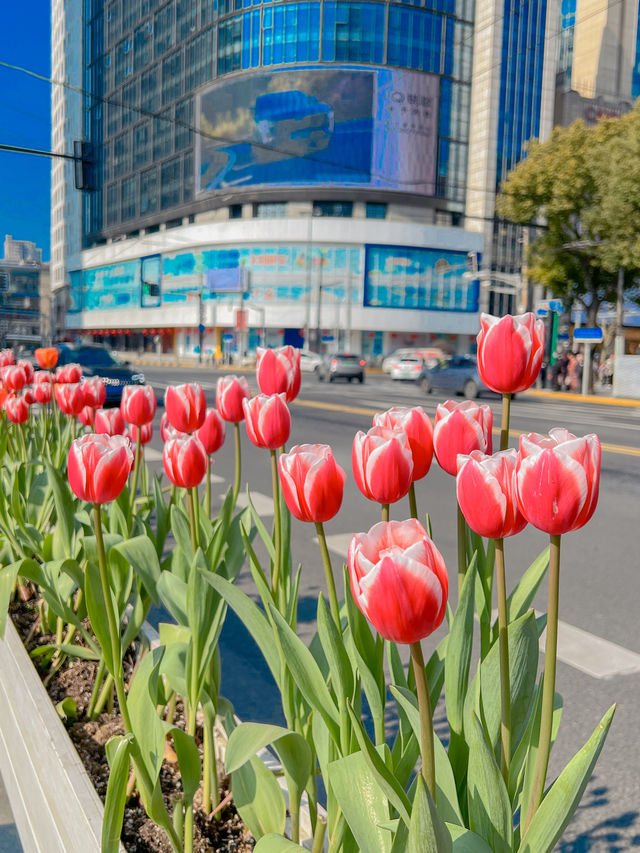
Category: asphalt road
[600,583]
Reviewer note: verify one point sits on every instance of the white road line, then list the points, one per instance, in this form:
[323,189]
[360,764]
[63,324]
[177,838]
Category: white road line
[263,503]
[338,543]
[152,455]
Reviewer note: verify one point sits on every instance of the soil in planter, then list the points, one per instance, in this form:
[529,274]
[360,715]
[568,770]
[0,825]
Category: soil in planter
[140,834]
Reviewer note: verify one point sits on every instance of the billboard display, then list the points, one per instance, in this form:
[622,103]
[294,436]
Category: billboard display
[417,278]
[319,126]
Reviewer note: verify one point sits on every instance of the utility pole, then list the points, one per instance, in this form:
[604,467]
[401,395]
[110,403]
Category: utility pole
[619,346]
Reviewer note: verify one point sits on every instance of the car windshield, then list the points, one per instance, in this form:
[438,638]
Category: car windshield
[411,360]
[96,357]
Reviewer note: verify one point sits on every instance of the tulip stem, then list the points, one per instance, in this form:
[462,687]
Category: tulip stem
[549,684]
[23,443]
[462,550]
[503,641]
[426,721]
[413,506]
[207,494]
[236,482]
[136,470]
[385,512]
[277,560]
[506,415]
[328,573]
[192,518]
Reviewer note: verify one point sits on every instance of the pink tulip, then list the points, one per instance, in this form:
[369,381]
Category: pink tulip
[98,467]
[29,371]
[268,420]
[278,371]
[86,415]
[486,489]
[17,409]
[7,357]
[108,422]
[558,480]
[70,398]
[95,392]
[43,392]
[185,406]
[28,396]
[42,377]
[167,431]
[417,425]
[510,351]
[185,461]
[461,428]
[68,374]
[138,404]
[211,433]
[399,580]
[14,377]
[230,392]
[312,482]
[146,433]
[382,464]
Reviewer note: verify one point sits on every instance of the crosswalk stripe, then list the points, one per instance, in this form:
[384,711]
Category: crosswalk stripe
[263,503]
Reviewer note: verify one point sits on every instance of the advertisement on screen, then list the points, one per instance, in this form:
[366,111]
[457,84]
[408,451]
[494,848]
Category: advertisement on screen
[311,126]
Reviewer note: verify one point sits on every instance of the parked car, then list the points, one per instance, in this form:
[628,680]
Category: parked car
[97,360]
[408,369]
[456,374]
[310,362]
[342,366]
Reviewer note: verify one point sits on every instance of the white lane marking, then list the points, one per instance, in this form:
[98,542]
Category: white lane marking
[263,503]
[338,543]
[152,455]
[593,655]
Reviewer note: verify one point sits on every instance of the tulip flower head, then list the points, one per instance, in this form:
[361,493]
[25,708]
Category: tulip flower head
[278,371]
[7,357]
[14,377]
[312,482]
[185,461]
[146,433]
[42,377]
[268,420]
[167,431]
[47,357]
[417,425]
[230,392]
[460,428]
[108,422]
[486,489]
[138,404]
[43,390]
[510,351]
[68,374]
[95,392]
[16,408]
[382,464]
[98,467]
[28,396]
[558,480]
[86,416]
[29,371]
[185,406]
[399,580]
[212,432]
[70,398]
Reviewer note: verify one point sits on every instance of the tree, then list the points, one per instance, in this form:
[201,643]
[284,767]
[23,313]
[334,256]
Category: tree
[562,183]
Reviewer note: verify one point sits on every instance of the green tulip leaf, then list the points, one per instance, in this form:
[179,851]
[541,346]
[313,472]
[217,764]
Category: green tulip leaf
[524,592]
[364,805]
[458,658]
[427,831]
[249,738]
[172,592]
[8,575]
[149,730]
[188,762]
[142,556]
[276,844]
[258,798]
[527,751]
[564,796]
[64,504]
[340,668]
[181,530]
[97,611]
[118,751]
[465,841]
[489,806]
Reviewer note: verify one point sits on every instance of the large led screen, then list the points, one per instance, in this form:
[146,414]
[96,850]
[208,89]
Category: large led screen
[310,126]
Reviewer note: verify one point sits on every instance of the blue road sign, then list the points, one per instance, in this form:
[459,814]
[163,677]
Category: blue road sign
[590,335]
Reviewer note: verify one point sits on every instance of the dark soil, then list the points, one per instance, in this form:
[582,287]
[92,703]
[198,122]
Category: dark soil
[140,834]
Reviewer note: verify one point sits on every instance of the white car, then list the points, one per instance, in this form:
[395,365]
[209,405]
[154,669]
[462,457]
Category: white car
[310,362]
[408,368]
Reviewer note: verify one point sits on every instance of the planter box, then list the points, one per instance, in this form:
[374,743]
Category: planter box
[55,806]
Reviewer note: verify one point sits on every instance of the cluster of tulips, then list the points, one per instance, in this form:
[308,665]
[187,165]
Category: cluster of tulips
[487,792]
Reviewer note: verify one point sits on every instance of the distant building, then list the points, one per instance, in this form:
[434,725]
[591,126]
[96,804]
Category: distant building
[20,281]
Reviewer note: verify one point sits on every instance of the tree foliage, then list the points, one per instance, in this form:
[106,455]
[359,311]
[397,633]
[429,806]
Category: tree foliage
[567,183]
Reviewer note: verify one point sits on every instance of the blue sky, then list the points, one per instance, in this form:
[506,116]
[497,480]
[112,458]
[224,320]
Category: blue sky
[25,120]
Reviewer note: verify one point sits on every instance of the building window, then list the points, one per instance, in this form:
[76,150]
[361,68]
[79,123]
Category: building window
[124,60]
[186,18]
[163,30]
[129,193]
[162,135]
[171,181]
[122,154]
[141,144]
[235,211]
[130,99]
[112,204]
[376,210]
[198,60]
[290,33]
[149,191]
[230,45]
[183,123]
[142,45]
[149,94]
[172,77]
[189,178]
[270,210]
[333,208]
[353,32]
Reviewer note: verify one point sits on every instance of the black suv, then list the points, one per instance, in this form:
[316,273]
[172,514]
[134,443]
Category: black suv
[96,360]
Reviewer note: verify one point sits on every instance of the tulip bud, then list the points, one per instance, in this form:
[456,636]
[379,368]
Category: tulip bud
[230,392]
[399,580]
[510,351]
[185,406]
[68,374]
[14,377]
[382,464]
[29,372]
[268,420]
[28,396]
[98,467]
[43,392]
[47,357]
[86,416]
[558,480]
[42,377]
[70,398]
[312,482]
[16,408]
[459,429]
[146,433]
[167,431]
[108,422]
[278,371]
[7,357]
[486,489]
[211,433]
[95,393]
[185,461]
[138,404]
[417,425]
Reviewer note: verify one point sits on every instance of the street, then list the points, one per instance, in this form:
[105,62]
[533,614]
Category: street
[599,647]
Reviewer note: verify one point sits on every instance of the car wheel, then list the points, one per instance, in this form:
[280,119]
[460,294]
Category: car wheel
[470,389]
[425,385]
[361,378]
[331,378]
[350,380]
[320,376]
